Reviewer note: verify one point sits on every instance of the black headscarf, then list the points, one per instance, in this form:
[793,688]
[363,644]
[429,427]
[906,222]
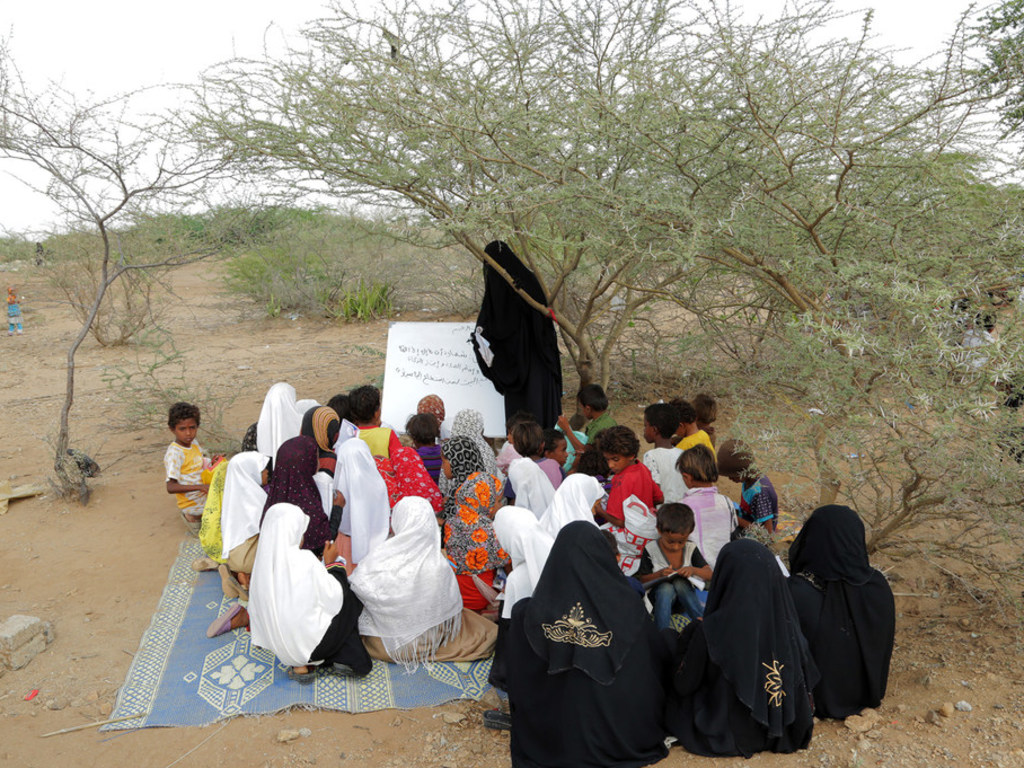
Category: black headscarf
[465,459]
[583,613]
[858,614]
[753,634]
[514,329]
[293,483]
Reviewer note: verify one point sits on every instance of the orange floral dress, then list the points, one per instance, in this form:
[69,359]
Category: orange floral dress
[469,536]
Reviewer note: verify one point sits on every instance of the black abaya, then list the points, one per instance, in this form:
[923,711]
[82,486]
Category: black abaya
[585,666]
[846,611]
[341,643]
[744,674]
[526,369]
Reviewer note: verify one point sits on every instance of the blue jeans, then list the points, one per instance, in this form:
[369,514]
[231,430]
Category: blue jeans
[667,594]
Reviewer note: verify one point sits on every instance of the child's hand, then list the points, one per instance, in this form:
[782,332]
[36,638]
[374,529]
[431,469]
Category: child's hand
[330,552]
[339,499]
[205,487]
[687,571]
[563,423]
[664,573]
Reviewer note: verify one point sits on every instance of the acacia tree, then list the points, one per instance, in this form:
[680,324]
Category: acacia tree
[816,206]
[105,171]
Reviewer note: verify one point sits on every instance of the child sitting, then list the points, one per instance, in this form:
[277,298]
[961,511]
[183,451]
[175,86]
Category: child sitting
[676,559]
[688,432]
[556,448]
[660,422]
[531,477]
[593,404]
[508,452]
[706,408]
[424,429]
[713,515]
[184,464]
[759,504]
[591,462]
[633,496]
[613,544]
[364,410]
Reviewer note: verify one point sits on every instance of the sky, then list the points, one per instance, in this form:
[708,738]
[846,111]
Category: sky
[106,47]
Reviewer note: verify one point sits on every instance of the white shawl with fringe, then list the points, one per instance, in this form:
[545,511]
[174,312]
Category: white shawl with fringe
[411,600]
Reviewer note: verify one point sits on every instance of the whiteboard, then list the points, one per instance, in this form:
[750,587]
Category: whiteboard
[437,359]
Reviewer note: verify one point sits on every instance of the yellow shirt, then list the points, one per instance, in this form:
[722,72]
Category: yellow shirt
[700,437]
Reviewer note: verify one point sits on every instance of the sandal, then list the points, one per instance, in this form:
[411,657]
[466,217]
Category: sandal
[222,623]
[302,677]
[204,564]
[497,720]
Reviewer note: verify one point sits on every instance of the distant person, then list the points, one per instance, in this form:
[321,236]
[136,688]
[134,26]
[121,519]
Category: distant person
[516,345]
[556,449]
[184,463]
[688,432]
[846,609]
[593,403]
[508,452]
[660,423]
[744,677]
[13,312]
[759,503]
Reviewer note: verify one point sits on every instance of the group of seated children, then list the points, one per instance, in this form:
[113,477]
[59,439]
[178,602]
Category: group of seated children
[342,545]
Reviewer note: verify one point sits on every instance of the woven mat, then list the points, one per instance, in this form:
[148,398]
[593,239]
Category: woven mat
[181,677]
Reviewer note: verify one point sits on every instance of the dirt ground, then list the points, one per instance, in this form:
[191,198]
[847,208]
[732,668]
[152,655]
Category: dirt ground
[97,574]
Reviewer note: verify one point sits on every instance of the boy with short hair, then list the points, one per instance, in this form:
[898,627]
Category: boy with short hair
[184,464]
[660,422]
[593,404]
[706,408]
[713,515]
[759,503]
[364,411]
[676,559]
[688,432]
[633,495]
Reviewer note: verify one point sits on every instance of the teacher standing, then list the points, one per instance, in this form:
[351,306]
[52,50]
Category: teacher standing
[518,351]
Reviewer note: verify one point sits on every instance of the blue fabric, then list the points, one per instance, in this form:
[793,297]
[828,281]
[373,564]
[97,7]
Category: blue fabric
[668,594]
[182,677]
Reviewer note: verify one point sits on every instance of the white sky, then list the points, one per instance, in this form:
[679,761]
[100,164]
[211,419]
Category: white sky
[108,47]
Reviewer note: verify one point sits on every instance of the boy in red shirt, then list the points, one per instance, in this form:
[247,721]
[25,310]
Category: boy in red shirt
[630,509]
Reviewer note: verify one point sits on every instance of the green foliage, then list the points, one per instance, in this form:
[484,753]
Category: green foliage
[1001,33]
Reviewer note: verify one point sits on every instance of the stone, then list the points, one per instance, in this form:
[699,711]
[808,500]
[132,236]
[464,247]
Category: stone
[20,657]
[305,733]
[106,708]
[453,718]
[287,734]
[56,704]
[859,724]
[947,709]
[49,632]
[933,717]
[92,696]
[19,630]
[491,700]
[963,706]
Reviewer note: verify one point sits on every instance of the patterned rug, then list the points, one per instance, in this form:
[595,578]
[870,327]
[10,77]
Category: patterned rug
[182,677]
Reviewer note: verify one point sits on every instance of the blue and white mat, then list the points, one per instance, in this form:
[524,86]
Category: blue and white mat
[182,677]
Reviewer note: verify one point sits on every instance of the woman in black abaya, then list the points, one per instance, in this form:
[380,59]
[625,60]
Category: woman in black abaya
[846,611]
[744,674]
[526,368]
[586,665]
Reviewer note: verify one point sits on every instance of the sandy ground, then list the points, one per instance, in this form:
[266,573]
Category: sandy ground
[97,574]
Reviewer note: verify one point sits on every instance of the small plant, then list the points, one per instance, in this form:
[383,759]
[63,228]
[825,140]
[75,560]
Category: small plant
[369,301]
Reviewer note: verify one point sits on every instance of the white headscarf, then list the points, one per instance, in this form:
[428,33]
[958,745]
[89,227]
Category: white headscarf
[532,487]
[520,534]
[280,418]
[367,508]
[244,499]
[292,598]
[574,500]
[411,600]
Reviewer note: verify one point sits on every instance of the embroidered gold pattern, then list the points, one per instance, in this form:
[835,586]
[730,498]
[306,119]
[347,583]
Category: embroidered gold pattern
[773,682]
[577,629]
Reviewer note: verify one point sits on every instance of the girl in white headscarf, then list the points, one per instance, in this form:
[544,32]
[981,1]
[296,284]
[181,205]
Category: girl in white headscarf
[574,500]
[365,517]
[302,611]
[412,607]
[280,418]
[527,545]
[533,490]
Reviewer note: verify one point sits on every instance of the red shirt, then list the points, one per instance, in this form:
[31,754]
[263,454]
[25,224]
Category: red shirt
[634,480]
